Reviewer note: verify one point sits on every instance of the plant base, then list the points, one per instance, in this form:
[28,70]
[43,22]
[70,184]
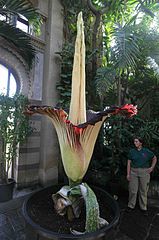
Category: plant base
[39,213]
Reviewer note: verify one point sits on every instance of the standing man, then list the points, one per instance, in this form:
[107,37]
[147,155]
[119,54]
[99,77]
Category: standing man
[141,162]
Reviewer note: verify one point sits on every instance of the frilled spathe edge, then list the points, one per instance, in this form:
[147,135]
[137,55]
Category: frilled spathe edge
[93,117]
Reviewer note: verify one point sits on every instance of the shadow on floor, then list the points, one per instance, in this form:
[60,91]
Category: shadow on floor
[136,226]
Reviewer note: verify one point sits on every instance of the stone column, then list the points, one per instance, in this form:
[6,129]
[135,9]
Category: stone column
[49,149]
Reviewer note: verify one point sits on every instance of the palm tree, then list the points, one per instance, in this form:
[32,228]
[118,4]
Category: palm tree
[11,9]
[133,44]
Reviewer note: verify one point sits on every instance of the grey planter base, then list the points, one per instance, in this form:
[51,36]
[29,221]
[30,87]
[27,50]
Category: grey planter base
[6,191]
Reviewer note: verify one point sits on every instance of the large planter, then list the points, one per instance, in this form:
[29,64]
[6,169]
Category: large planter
[6,190]
[41,219]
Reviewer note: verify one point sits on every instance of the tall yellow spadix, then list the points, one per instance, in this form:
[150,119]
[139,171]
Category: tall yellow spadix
[77,112]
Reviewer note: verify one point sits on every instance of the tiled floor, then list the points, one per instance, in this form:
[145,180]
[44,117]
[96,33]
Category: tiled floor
[132,226]
[12,224]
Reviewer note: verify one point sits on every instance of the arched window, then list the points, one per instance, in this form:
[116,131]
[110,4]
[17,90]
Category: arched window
[8,83]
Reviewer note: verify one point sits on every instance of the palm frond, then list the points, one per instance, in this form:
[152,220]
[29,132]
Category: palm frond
[18,40]
[21,7]
[105,78]
[145,6]
[125,50]
[152,63]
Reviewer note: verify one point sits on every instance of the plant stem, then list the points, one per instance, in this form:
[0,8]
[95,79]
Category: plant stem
[73,184]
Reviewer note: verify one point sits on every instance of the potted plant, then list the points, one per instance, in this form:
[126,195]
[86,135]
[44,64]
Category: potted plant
[77,133]
[13,130]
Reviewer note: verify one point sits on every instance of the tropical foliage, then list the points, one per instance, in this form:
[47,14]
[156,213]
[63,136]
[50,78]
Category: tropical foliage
[16,38]
[14,129]
[122,60]
[77,133]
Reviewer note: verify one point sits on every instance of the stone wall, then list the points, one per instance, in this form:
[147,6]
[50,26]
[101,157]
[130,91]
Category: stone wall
[38,158]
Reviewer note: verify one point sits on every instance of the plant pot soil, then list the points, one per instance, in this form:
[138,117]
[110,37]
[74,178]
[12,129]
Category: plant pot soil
[6,190]
[39,213]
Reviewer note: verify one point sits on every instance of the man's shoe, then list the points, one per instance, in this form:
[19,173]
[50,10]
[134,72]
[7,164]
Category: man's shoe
[144,212]
[129,209]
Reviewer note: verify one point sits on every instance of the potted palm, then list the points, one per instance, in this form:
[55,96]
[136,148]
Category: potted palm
[77,133]
[14,129]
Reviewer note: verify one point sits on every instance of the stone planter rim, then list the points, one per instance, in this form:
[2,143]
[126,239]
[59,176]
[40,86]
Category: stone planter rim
[50,234]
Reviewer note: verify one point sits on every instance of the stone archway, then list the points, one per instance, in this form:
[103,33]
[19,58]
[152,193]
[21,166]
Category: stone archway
[13,60]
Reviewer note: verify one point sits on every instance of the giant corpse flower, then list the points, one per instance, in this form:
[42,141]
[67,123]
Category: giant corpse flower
[77,131]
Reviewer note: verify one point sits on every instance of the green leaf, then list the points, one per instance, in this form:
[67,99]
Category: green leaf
[19,40]
[22,7]
[92,208]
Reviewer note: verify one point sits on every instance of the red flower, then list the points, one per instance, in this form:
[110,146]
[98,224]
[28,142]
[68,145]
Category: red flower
[128,109]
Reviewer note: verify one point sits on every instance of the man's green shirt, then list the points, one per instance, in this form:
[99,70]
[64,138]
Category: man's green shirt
[140,158]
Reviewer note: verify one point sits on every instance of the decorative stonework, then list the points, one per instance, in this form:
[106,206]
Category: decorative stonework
[39,158]
[36,75]
[12,59]
[41,6]
[38,44]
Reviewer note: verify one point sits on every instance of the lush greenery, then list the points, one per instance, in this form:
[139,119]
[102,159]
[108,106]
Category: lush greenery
[14,129]
[15,37]
[122,43]
[118,139]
